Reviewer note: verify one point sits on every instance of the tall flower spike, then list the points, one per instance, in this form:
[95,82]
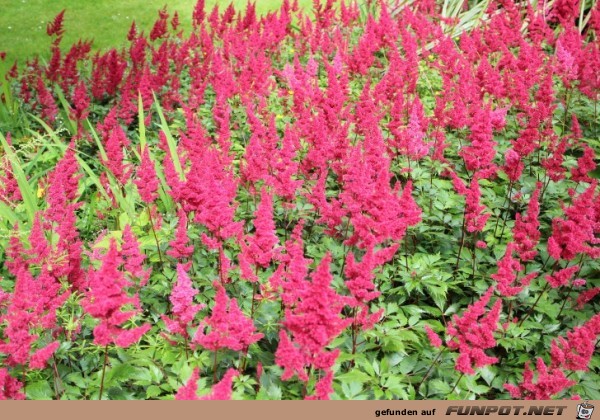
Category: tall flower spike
[508,272]
[229,327]
[220,391]
[473,333]
[180,248]
[184,309]
[550,382]
[105,300]
[10,388]
[133,257]
[526,233]
[262,246]
[259,249]
[146,181]
[188,392]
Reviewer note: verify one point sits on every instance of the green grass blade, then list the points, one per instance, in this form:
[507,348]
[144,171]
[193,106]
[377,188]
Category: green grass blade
[170,140]
[7,215]
[24,187]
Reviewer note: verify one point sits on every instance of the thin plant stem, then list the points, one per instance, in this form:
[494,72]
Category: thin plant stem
[103,372]
[431,367]
[505,204]
[457,381]
[534,305]
[155,237]
[215,366]
[186,348]
[565,301]
[462,242]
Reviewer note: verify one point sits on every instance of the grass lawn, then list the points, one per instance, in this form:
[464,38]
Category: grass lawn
[23,22]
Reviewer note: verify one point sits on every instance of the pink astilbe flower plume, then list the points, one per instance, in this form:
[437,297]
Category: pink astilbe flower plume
[434,339]
[513,165]
[561,277]
[10,388]
[115,141]
[146,180]
[220,391]
[229,327]
[184,309]
[291,358]
[56,26]
[585,165]
[133,258]
[577,232]
[586,296]
[324,387]
[180,248]
[575,352]
[473,333]
[313,322]
[292,281]
[526,233]
[475,215]
[31,307]
[188,392]
[359,280]
[260,249]
[105,300]
[550,381]
[508,272]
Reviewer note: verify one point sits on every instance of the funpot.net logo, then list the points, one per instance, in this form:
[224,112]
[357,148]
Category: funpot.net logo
[584,411]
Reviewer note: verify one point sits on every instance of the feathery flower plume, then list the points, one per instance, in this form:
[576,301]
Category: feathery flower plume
[146,180]
[184,309]
[229,327]
[473,332]
[106,299]
[526,233]
[508,273]
[180,248]
[220,391]
[10,388]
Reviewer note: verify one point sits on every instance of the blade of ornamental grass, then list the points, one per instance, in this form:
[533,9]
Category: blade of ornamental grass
[57,142]
[170,140]
[27,191]
[165,198]
[65,110]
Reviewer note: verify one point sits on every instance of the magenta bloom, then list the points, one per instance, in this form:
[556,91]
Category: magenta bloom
[434,339]
[184,309]
[526,233]
[146,181]
[550,381]
[180,247]
[562,277]
[473,333]
[10,388]
[229,327]
[105,300]
[261,247]
[508,272]
[134,258]
[220,391]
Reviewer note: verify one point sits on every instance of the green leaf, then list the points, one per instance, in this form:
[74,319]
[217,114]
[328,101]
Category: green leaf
[439,387]
[39,391]
[354,375]
[153,391]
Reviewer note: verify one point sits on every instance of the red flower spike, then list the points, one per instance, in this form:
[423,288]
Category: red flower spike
[229,327]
